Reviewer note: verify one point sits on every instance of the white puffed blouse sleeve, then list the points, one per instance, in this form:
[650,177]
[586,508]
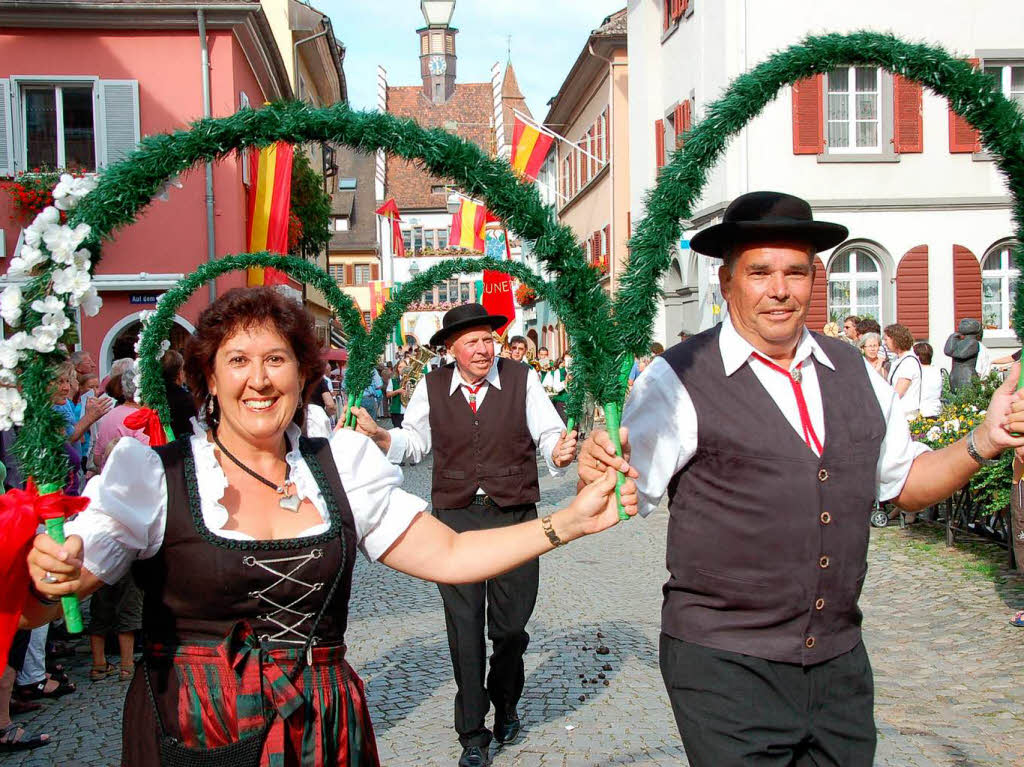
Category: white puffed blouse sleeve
[127,511]
[381,509]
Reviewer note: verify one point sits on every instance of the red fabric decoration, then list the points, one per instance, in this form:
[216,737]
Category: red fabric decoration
[146,419]
[21,513]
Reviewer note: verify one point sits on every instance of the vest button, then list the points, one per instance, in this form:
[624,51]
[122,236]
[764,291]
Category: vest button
[809,643]
[825,517]
[476,423]
[822,475]
[823,562]
[819,604]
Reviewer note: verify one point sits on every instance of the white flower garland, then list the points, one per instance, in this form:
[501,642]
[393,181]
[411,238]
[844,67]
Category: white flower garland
[144,319]
[46,239]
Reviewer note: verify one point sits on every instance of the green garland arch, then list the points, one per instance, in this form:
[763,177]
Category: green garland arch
[604,335]
[680,183]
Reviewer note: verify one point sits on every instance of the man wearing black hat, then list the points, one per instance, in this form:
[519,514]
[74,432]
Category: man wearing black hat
[772,442]
[484,419]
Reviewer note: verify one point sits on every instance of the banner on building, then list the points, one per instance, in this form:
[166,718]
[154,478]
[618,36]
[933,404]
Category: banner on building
[269,204]
[389,210]
[529,148]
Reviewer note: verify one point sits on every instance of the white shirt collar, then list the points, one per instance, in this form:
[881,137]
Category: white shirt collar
[491,378]
[736,349]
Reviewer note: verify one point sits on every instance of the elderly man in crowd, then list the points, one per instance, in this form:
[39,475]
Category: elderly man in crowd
[772,442]
[484,419]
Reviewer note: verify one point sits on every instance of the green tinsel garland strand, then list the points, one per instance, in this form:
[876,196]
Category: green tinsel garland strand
[681,182]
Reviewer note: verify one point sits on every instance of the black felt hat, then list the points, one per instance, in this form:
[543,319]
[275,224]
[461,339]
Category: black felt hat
[466,316]
[767,217]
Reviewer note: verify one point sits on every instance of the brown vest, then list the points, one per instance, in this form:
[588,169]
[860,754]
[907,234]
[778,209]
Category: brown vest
[490,449]
[767,542]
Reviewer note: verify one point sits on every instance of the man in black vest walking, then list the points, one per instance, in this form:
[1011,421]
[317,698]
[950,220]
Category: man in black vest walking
[772,443]
[484,419]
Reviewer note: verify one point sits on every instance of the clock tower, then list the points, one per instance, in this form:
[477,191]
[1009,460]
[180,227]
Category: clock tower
[437,50]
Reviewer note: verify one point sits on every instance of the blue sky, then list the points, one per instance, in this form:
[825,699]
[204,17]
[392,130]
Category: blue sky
[547,36]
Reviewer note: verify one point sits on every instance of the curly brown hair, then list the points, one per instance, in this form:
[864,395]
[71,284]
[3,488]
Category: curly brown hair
[243,308]
[901,337]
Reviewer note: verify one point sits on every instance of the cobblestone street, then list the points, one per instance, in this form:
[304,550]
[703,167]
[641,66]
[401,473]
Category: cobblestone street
[950,689]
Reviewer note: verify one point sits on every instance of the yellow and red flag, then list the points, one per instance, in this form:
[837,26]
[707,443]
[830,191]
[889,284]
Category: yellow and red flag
[529,148]
[380,294]
[390,211]
[468,226]
[269,202]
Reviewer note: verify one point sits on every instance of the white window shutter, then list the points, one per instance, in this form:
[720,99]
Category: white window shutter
[6,130]
[118,120]
[243,103]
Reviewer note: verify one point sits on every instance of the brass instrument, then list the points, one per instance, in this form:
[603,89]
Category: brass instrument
[413,373]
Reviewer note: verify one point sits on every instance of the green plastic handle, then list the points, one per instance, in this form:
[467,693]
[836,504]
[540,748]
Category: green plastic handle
[570,424]
[612,420]
[72,610]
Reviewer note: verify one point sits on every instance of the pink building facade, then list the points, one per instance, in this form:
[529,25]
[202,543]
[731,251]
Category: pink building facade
[80,84]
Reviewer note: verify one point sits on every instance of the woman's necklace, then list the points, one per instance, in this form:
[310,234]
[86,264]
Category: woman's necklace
[287,500]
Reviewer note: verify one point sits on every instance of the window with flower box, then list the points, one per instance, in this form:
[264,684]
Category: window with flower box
[75,122]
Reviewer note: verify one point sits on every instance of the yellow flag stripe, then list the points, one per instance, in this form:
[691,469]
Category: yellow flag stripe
[264,198]
[524,150]
[466,234]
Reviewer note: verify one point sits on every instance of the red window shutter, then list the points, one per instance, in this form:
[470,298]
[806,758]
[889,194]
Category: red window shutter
[659,143]
[962,137]
[966,285]
[666,17]
[350,276]
[596,248]
[374,272]
[912,291]
[908,128]
[683,6]
[817,311]
[808,135]
[592,148]
[607,255]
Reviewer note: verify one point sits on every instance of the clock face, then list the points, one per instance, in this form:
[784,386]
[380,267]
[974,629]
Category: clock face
[437,65]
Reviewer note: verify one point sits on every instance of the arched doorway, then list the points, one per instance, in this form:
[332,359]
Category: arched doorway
[119,342]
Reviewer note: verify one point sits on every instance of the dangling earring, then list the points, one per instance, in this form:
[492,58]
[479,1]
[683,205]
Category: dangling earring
[209,404]
[212,410]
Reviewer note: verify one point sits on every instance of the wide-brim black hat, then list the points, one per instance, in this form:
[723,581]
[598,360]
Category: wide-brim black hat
[767,217]
[466,316]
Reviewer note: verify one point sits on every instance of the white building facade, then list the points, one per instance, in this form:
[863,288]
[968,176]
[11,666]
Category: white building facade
[928,213]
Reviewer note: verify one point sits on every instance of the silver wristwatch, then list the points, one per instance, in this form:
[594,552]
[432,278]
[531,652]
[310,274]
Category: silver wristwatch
[972,450]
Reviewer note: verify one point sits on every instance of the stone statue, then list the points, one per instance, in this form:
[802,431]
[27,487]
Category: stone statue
[962,347]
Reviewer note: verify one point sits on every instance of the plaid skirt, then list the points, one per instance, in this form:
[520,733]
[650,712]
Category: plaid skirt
[213,694]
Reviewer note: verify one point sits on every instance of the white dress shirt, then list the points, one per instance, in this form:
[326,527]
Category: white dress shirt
[662,420]
[127,512]
[412,441]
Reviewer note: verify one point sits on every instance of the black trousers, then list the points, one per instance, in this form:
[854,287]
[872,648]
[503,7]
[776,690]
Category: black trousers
[508,600]
[735,710]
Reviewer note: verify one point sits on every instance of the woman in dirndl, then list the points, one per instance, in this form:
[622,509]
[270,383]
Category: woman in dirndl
[243,535]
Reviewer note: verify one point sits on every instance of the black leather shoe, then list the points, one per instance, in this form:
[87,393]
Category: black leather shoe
[507,728]
[474,756]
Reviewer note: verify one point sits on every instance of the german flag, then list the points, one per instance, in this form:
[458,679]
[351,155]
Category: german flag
[468,226]
[529,148]
[269,201]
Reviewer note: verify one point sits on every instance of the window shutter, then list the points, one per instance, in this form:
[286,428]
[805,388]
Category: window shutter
[607,137]
[908,128]
[6,130]
[659,143]
[808,137]
[684,6]
[966,285]
[817,311]
[243,103]
[596,238]
[666,16]
[607,245]
[118,120]
[374,272]
[912,291]
[962,137]
[350,277]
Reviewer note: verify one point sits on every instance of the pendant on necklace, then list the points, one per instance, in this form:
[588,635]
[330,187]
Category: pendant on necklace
[289,501]
[796,375]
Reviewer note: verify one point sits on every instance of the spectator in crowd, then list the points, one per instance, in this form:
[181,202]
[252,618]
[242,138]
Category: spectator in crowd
[117,367]
[322,395]
[905,371]
[12,736]
[684,335]
[544,358]
[642,362]
[931,381]
[114,608]
[850,328]
[75,425]
[372,393]
[517,348]
[393,397]
[83,363]
[870,344]
[111,426]
[179,401]
[553,380]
